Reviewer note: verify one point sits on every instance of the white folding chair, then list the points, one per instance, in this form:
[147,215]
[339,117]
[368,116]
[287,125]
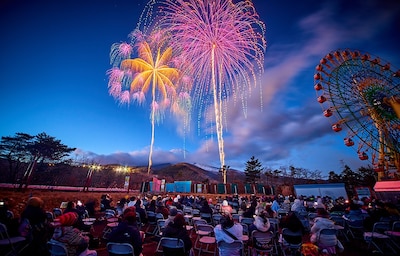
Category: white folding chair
[119,249]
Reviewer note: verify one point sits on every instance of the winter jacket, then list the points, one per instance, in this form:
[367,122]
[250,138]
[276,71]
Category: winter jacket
[127,233]
[323,240]
[259,225]
[72,238]
[175,231]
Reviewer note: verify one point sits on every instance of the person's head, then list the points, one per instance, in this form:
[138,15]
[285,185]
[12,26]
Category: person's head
[321,212]
[264,215]
[129,214]
[354,206]
[35,202]
[227,220]
[173,212]
[225,203]
[179,220]
[68,219]
[71,205]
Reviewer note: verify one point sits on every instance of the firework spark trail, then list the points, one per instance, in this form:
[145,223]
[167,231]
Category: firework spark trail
[223,44]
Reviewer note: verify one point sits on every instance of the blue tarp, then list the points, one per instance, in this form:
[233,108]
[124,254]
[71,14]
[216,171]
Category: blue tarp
[170,187]
[183,186]
[177,186]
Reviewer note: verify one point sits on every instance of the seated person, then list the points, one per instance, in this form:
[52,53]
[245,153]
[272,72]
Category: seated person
[228,231]
[226,208]
[293,223]
[127,231]
[321,222]
[205,208]
[250,212]
[177,229]
[261,223]
[72,238]
[172,214]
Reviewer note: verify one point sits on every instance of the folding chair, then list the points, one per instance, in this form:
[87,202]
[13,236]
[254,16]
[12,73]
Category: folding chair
[282,213]
[10,214]
[57,212]
[49,216]
[11,245]
[207,217]
[355,227]
[341,223]
[377,237]
[171,246]
[275,224]
[152,223]
[236,217]
[56,248]
[216,218]
[225,248]
[262,243]
[160,227]
[120,249]
[328,244]
[205,236]
[247,221]
[196,212]
[303,217]
[187,210]
[292,242]
[394,234]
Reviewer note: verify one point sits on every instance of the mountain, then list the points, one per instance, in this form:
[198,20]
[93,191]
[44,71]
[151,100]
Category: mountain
[195,172]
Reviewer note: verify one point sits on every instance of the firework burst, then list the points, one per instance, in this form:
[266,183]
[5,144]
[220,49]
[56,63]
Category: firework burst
[223,46]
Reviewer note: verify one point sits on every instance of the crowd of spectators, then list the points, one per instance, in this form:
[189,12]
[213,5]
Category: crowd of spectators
[304,215]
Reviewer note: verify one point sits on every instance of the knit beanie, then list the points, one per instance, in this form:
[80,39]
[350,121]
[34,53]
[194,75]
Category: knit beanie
[68,219]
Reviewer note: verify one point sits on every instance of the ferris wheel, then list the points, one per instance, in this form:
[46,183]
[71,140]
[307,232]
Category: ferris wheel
[360,94]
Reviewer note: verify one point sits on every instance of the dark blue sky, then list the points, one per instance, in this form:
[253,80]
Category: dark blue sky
[55,54]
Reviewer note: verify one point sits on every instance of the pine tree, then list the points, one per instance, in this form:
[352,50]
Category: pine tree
[253,170]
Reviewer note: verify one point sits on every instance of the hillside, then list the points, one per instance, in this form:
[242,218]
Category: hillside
[65,175]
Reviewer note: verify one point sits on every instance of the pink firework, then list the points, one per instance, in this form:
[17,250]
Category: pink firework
[223,46]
